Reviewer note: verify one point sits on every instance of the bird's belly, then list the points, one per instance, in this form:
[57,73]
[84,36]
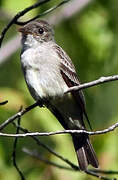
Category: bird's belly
[46,85]
[42,73]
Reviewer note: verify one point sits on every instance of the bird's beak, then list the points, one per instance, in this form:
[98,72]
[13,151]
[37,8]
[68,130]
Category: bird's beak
[22,30]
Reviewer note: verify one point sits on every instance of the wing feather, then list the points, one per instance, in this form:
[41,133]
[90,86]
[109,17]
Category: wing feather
[69,75]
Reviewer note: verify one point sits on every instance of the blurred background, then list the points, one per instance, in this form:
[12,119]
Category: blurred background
[88,31]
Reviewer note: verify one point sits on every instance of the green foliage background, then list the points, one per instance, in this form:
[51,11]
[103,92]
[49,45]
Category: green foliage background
[91,40]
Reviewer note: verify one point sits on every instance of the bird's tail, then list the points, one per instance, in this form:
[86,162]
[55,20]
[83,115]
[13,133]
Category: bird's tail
[85,152]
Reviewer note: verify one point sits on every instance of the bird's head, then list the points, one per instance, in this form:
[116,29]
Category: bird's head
[39,30]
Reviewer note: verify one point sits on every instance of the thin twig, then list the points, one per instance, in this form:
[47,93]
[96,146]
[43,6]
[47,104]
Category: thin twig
[19,114]
[14,150]
[37,156]
[98,176]
[44,13]
[73,166]
[40,143]
[21,13]
[111,128]
[99,81]
[18,15]
[110,172]
[3,103]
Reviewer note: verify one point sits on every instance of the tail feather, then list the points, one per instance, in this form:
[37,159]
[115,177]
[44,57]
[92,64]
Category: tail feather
[85,152]
[90,153]
[82,159]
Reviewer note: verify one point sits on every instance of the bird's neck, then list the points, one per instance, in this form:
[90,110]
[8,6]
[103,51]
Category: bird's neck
[28,41]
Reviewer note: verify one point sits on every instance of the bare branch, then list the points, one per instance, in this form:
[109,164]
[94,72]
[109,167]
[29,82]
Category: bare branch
[110,172]
[111,128]
[14,150]
[37,156]
[18,15]
[40,143]
[99,81]
[21,13]
[19,114]
[44,13]
[4,102]
[72,165]
[98,176]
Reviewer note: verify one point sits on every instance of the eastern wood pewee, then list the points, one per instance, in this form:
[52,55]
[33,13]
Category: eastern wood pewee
[49,72]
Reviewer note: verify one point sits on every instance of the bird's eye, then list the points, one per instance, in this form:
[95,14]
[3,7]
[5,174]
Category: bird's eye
[40,30]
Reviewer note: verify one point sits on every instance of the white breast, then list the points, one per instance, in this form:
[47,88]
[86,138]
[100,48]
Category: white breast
[42,73]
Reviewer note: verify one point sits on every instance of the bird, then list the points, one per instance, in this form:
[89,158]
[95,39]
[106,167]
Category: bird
[49,73]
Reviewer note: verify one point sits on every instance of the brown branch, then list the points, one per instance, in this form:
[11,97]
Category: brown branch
[99,81]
